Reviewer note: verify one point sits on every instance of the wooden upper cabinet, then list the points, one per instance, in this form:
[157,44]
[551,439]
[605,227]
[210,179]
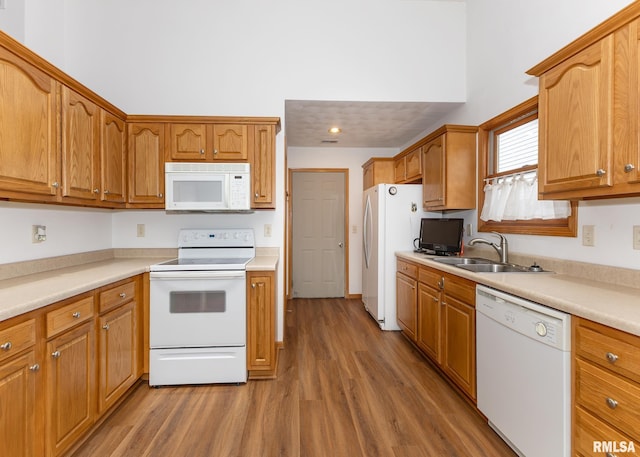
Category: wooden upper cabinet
[408,167]
[378,170]
[80,147]
[113,142]
[448,169]
[146,164]
[263,169]
[230,142]
[29,154]
[589,112]
[188,142]
[576,120]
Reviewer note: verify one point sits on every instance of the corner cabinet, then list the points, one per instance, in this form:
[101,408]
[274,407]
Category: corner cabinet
[261,324]
[589,111]
[448,169]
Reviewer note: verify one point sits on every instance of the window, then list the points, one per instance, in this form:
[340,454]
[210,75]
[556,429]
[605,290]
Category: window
[507,178]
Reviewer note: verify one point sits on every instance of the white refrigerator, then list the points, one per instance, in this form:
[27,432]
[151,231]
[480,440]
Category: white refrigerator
[392,214]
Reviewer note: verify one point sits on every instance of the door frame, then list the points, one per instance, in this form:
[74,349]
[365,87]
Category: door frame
[289,224]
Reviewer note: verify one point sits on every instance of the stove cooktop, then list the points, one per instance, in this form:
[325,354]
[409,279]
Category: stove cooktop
[202,264]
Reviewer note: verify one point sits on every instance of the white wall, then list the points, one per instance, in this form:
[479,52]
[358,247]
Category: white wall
[12,19]
[351,158]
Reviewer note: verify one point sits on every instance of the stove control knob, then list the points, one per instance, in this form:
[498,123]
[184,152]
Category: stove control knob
[236,235]
[225,235]
[541,329]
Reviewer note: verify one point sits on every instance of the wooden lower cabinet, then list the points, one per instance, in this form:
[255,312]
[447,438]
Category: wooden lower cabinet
[444,326]
[71,381]
[261,324]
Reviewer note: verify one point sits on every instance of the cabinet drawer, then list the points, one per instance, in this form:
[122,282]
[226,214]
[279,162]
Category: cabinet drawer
[17,338]
[69,316]
[408,269]
[117,295]
[612,349]
[589,432]
[430,277]
[596,389]
[461,289]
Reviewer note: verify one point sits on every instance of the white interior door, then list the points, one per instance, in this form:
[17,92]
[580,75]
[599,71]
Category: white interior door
[318,234]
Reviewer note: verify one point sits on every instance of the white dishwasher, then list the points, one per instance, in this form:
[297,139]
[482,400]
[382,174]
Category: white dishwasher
[524,372]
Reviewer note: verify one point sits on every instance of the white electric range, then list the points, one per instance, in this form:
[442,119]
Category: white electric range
[197,319]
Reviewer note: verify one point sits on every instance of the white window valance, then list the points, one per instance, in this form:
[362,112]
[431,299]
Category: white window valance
[516,198]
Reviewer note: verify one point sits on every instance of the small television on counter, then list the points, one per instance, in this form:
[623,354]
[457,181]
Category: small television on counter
[441,236]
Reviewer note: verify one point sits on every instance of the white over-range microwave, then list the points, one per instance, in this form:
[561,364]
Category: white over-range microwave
[207,186]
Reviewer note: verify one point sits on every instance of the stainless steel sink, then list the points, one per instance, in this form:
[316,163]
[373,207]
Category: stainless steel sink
[495,268]
[462,260]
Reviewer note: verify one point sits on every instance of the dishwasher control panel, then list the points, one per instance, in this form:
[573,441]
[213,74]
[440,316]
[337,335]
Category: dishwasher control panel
[533,320]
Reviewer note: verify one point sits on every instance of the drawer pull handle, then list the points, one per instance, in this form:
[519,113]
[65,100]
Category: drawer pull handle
[105,326]
[6,346]
[611,357]
[35,367]
[611,403]
[55,354]
[76,314]
[122,295]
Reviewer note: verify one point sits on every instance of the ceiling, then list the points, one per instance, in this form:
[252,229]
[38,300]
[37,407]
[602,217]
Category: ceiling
[363,124]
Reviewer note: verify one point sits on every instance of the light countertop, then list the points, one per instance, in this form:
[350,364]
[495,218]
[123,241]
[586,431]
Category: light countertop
[613,305]
[26,293]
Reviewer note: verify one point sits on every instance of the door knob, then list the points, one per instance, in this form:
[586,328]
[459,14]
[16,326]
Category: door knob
[340,244]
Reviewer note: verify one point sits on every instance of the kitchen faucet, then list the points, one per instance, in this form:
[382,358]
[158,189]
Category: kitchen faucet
[502,249]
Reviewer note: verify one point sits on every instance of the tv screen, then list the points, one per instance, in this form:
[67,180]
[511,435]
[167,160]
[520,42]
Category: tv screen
[441,236]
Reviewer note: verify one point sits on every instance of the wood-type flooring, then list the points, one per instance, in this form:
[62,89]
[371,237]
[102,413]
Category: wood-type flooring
[344,388]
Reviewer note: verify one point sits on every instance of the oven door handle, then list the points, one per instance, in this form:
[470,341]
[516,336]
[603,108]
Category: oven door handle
[218,274]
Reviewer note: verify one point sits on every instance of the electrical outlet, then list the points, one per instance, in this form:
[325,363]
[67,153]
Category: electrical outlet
[267,230]
[140,230]
[588,235]
[636,237]
[38,233]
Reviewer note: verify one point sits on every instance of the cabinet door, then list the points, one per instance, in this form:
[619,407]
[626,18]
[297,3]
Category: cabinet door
[70,387]
[80,147]
[429,321]
[118,347]
[17,406]
[261,321]
[433,176]
[459,360]
[187,142]
[406,304]
[112,158]
[146,164]
[414,165]
[230,142]
[29,154]
[263,166]
[400,169]
[576,121]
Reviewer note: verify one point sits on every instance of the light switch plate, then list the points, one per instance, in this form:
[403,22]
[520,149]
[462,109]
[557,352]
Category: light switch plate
[588,235]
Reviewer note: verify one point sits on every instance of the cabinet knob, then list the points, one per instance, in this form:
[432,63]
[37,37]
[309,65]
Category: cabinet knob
[6,346]
[611,403]
[35,367]
[201,151]
[611,357]
[628,168]
[609,454]
[253,285]
[96,191]
[76,315]
[106,192]
[55,185]
[256,195]
[105,326]
[215,151]
[122,295]
[160,195]
[601,172]
[435,299]
[55,354]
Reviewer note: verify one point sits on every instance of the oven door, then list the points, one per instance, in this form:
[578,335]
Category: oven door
[191,309]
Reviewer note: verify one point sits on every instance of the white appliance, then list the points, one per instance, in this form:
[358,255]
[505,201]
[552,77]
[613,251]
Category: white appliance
[524,372]
[392,214]
[197,317]
[195,186]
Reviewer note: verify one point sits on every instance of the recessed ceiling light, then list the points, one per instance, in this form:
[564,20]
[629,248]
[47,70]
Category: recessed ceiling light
[335,130]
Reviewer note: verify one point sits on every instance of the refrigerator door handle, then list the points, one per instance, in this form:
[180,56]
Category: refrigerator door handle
[367,231]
